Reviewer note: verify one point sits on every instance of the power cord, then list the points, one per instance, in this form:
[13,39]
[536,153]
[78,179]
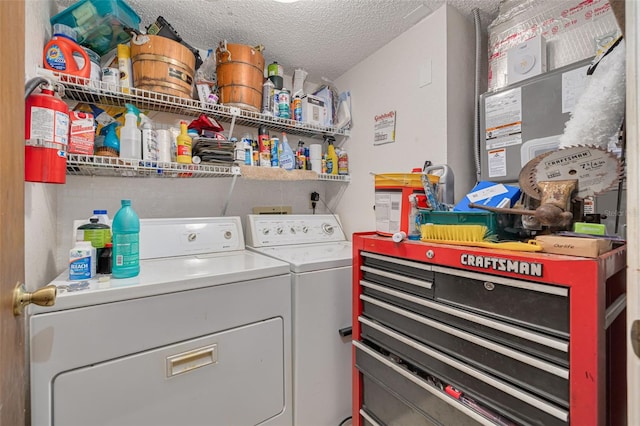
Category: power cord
[330,211]
[314,198]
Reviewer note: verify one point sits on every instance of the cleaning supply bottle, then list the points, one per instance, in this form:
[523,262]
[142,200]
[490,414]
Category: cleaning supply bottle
[149,139]
[343,163]
[125,68]
[413,226]
[287,158]
[62,54]
[82,261]
[130,136]
[184,144]
[332,158]
[126,235]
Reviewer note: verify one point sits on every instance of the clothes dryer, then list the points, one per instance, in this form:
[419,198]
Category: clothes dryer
[320,257]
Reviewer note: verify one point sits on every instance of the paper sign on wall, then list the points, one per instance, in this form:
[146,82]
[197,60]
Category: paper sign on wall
[384,128]
[503,119]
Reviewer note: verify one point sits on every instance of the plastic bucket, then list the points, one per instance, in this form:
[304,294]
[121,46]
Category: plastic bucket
[162,65]
[240,73]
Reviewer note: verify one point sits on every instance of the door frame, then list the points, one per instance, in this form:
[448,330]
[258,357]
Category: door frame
[13,360]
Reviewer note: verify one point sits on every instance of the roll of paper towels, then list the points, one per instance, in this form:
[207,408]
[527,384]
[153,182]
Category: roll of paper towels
[316,166]
[315,151]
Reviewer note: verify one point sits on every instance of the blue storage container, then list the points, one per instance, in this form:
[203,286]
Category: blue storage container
[100,24]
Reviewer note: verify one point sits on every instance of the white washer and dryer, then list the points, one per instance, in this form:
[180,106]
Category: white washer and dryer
[320,259]
[200,336]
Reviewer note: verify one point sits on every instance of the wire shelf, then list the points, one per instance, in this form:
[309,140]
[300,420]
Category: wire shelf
[94,165]
[90,165]
[99,92]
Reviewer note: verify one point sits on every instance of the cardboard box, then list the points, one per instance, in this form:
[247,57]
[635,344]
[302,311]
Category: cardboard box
[81,133]
[574,246]
[314,110]
[489,194]
[527,59]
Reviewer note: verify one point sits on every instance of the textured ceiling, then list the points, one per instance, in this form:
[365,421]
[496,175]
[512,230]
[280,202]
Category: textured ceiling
[325,37]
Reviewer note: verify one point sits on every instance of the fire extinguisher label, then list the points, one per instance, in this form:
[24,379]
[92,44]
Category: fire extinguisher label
[49,125]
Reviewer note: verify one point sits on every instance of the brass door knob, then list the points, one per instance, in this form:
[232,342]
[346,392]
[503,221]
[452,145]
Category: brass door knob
[45,296]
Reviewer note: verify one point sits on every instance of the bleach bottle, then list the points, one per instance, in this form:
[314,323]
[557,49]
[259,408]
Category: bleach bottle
[126,242]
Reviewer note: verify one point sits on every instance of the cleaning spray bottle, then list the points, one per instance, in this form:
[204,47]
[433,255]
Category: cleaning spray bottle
[287,158]
[149,139]
[413,225]
[184,144]
[332,157]
[130,136]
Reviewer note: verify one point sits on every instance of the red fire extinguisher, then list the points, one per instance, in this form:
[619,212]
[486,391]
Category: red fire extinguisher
[46,137]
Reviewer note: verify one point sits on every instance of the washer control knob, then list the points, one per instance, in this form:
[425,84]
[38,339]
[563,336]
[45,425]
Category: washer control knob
[228,235]
[279,230]
[327,228]
[305,229]
[265,231]
[293,230]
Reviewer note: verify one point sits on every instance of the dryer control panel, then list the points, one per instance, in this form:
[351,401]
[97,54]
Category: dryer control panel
[276,230]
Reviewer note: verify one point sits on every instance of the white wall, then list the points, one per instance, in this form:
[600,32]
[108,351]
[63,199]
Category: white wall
[40,199]
[428,117]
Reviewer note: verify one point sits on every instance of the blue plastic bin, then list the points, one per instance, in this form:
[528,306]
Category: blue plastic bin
[99,23]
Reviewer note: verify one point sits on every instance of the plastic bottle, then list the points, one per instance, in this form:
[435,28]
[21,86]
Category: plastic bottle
[247,143]
[98,234]
[332,159]
[105,259]
[287,158]
[412,224]
[149,139]
[130,136]
[343,163]
[125,68]
[126,235]
[275,150]
[62,54]
[184,145]
[82,261]
[267,97]
[300,158]
[103,216]
[238,151]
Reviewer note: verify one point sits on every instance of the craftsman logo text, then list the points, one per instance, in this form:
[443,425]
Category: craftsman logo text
[532,269]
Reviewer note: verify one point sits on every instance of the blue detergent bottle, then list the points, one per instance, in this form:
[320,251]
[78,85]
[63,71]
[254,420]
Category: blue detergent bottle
[126,233]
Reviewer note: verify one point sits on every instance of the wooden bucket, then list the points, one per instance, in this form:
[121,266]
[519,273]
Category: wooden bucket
[162,65]
[240,74]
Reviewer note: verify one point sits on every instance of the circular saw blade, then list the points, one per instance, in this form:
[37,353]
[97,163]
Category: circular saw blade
[596,169]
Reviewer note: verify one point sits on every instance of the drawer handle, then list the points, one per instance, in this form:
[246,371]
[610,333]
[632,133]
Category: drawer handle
[187,361]
[489,286]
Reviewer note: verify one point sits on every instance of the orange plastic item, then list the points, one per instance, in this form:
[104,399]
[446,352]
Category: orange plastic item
[65,56]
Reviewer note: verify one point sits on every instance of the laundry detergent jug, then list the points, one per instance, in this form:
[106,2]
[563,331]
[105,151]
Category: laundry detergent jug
[62,54]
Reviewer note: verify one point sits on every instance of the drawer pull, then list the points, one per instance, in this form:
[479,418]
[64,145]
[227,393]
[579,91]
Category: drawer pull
[528,285]
[397,277]
[496,325]
[402,262]
[187,361]
[420,382]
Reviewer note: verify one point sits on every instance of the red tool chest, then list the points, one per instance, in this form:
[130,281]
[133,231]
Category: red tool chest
[457,335]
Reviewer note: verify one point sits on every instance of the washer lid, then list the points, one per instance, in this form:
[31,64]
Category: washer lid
[312,257]
[165,275]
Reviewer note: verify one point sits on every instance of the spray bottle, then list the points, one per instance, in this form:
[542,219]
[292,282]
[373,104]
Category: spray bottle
[149,139]
[287,158]
[184,144]
[130,136]
[413,225]
[332,157]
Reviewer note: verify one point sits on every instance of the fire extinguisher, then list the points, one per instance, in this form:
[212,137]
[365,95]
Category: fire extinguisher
[46,136]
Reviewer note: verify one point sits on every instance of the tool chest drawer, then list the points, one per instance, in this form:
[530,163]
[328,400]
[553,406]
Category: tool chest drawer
[394,394]
[533,343]
[411,277]
[540,307]
[542,378]
[503,398]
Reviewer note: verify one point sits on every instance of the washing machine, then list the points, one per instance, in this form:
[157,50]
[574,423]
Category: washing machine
[200,337]
[320,257]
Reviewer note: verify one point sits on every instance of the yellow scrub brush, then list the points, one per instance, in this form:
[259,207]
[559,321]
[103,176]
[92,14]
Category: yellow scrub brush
[469,235]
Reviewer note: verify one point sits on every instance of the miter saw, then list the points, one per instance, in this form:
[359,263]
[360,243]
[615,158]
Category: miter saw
[555,184]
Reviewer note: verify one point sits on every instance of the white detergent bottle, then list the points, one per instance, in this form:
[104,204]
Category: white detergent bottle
[149,139]
[287,158]
[130,136]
